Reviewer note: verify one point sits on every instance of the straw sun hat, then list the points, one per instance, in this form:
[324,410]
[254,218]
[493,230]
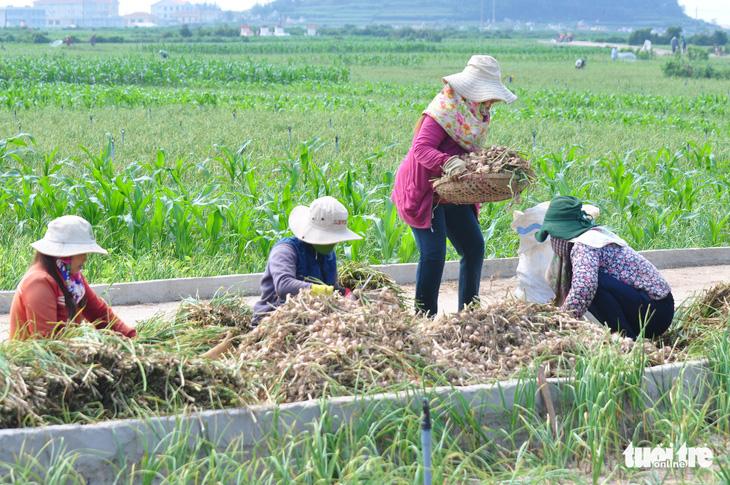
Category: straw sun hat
[323,223]
[481,80]
[68,236]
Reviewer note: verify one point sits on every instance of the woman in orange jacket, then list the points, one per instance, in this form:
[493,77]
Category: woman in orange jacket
[53,294]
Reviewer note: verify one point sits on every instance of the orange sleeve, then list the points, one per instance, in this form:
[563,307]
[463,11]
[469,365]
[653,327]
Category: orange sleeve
[41,308]
[98,312]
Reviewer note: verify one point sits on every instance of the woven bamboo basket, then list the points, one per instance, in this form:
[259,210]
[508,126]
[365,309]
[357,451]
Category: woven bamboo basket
[477,188]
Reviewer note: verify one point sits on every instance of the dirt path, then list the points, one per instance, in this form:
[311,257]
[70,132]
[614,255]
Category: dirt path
[585,43]
[684,282]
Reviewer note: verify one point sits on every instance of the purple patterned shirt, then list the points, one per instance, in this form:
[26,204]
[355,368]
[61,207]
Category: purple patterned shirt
[621,262]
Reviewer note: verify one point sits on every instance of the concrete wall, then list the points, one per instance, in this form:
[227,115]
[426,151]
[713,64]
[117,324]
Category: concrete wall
[155,291]
[99,446]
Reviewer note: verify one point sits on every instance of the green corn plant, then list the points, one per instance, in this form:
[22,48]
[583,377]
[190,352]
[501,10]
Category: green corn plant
[388,232]
[55,200]
[359,224]
[685,193]
[181,228]
[28,205]
[624,185]
[234,163]
[12,149]
[240,219]
[156,168]
[714,229]
[701,156]
[557,177]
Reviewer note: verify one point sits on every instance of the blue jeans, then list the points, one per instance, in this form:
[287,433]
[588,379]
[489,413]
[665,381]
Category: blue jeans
[459,224]
[625,309]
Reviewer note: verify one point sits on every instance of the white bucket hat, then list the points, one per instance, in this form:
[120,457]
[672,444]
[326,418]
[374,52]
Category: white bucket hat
[481,80]
[68,236]
[324,222]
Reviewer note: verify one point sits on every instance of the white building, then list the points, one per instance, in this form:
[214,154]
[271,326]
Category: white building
[311,30]
[166,10]
[264,31]
[279,31]
[80,13]
[34,18]
[139,19]
[246,31]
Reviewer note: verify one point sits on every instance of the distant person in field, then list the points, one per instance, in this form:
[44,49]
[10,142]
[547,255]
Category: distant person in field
[673,43]
[92,40]
[69,40]
[600,273]
[454,123]
[683,43]
[306,261]
[53,294]
[614,53]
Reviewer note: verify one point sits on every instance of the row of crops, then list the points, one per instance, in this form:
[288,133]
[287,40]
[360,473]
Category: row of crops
[358,50]
[162,72]
[705,112]
[655,199]
[654,160]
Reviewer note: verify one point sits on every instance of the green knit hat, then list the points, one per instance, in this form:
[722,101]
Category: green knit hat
[564,219]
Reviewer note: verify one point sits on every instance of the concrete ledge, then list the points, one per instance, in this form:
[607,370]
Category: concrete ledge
[100,446]
[156,291]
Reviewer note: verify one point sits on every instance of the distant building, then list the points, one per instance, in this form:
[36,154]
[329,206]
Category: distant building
[188,17]
[311,30]
[165,10]
[264,31]
[139,19]
[33,18]
[80,13]
[279,31]
[246,31]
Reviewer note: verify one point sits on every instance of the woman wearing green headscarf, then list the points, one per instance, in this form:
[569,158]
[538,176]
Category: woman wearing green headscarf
[621,288]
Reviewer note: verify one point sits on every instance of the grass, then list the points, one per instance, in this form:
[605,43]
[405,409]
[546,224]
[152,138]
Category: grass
[650,151]
[382,444]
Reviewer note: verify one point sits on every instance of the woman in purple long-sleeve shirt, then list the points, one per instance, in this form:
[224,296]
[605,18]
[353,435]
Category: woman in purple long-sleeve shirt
[621,288]
[307,260]
[454,123]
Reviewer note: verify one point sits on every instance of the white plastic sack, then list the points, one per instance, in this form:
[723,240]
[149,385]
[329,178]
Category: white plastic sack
[534,256]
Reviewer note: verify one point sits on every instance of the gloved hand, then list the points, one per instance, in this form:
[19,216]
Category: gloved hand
[454,166]
[322,289]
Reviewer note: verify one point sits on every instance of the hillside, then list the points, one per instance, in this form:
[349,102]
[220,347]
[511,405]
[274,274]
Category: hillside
[636,13]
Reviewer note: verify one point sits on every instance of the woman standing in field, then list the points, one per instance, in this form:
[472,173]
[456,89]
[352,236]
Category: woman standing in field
[454,123]
[615,283]
[53,294]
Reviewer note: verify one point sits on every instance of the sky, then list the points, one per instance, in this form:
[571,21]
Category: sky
[716,11]
[130,6]
[710,10]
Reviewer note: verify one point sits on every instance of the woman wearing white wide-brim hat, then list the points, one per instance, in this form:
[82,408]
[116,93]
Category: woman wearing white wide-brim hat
[454,123]
[306,261]
[53,293]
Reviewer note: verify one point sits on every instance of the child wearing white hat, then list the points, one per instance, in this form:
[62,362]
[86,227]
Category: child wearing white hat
[53,293]
[307,260]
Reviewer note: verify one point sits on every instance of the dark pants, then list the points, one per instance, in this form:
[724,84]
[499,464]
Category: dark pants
[459,224]
[624,308]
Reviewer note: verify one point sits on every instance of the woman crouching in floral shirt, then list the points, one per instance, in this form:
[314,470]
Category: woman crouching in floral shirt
[616,284]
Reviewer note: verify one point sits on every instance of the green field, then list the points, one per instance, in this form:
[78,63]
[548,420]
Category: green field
[214,146]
